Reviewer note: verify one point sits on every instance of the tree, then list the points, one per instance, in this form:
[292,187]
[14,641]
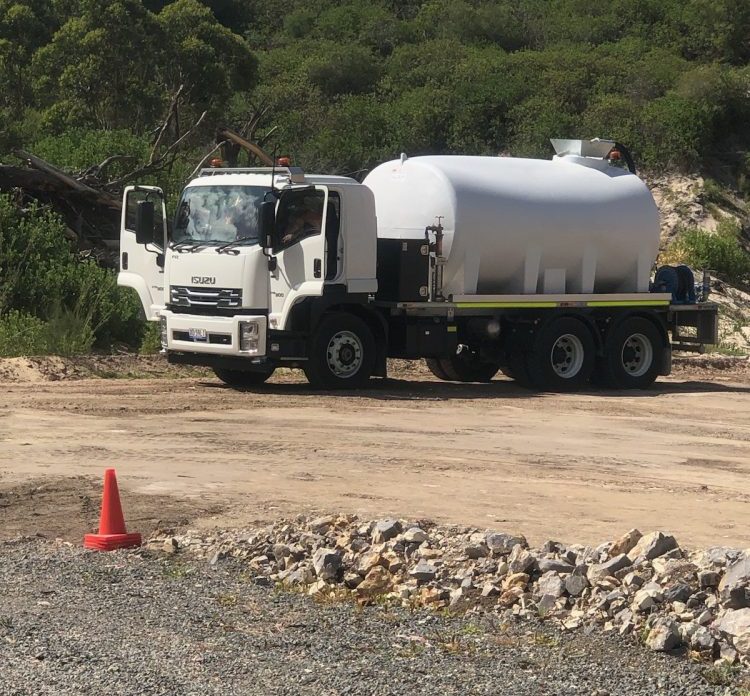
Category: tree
[100,69]
[207,59]
[25,26]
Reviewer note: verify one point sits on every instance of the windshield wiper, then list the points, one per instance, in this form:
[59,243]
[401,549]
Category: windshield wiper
[181,246]
[191,245]
[228,245]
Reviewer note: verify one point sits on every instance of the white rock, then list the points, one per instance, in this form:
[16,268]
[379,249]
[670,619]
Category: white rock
[664,635]
[414,535]
[550,584]
[734,623]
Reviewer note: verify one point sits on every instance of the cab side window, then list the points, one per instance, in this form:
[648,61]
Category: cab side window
[131,207]
[300,215]
[333,221]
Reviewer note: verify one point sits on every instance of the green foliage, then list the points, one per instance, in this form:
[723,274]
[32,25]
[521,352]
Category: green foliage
[78,149]
[77,301]
[151,342]
[344,70]
[113,64]
[22,334]
[720,251]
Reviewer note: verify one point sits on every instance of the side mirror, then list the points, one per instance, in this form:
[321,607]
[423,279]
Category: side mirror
[144,222]
[267,221]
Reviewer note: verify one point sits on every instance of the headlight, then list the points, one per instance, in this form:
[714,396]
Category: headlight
[163,331]
[249,336]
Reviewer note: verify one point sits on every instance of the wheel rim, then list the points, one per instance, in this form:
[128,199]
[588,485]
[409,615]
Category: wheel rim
[567,356]
[344,354]
[637,355]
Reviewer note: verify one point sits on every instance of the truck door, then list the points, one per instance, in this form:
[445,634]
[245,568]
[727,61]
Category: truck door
[299,246]
[142,264]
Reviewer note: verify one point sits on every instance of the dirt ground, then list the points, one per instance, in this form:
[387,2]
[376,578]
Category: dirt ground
[188,451]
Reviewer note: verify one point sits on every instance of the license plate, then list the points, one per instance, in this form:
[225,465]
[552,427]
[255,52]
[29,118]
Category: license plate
[197,334]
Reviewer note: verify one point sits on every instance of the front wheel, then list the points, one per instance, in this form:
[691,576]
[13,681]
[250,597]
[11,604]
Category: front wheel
[633,353]
[242,379]
[342,353]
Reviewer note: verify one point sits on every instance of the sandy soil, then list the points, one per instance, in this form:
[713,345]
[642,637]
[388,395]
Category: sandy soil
[581,467]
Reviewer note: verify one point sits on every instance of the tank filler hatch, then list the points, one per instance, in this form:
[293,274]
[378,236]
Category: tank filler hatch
[583,148]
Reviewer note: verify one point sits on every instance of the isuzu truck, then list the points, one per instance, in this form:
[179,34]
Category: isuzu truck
[541,269]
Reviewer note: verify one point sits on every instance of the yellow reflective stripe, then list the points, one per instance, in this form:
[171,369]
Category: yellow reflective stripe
[565,304]
[630,303]
[452,329]
[506,305]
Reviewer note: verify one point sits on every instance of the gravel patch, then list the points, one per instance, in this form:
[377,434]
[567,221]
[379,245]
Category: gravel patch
[141,622]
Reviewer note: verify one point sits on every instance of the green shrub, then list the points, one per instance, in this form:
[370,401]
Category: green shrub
[720,251]
[41,276]
[22,334]
[151,342]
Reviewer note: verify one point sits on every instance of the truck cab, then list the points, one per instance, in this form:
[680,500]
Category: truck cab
[250,256]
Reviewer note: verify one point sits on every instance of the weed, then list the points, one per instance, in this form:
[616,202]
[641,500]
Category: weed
[226,600]
[545,641]
[454,643]
[176,570]
[471,629]
[721,675]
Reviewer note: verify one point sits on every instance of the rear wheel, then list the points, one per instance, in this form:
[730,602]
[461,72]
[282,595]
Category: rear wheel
[242,379]
[467,366]
[518,369]
[633,353]
[434,366]
[563,356]
[342,353]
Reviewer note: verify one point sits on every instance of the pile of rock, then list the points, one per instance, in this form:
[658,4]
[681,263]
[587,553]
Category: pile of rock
[641,585]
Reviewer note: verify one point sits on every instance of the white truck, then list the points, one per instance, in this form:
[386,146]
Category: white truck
[541,269]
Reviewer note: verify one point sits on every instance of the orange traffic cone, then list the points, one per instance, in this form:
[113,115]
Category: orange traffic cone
[112,533]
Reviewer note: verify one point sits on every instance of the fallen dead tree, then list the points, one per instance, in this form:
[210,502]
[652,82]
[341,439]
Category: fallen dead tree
[90,201]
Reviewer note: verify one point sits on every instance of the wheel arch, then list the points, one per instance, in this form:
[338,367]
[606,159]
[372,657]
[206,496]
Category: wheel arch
[649,315]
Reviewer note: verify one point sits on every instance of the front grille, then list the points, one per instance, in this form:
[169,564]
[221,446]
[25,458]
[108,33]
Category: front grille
[215,338]
[205,298]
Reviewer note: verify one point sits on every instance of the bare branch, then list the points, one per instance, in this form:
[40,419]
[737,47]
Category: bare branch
[160,162]
[98,169]
[205,159]
[261,154]
[171,113]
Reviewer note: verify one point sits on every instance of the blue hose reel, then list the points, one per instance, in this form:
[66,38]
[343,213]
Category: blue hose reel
[679,281]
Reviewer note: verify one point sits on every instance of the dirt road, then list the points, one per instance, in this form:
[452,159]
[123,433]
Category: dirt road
[581,467]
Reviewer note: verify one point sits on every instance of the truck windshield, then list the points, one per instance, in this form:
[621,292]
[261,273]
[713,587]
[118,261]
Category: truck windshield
[218,214]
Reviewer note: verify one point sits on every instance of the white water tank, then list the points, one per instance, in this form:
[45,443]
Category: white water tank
[523,226]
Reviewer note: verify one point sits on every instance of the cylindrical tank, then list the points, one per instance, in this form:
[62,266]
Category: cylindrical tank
[522,226]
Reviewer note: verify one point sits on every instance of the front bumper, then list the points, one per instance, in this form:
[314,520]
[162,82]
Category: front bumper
[222,334]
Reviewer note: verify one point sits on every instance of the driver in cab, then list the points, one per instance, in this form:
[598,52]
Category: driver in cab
[304,221]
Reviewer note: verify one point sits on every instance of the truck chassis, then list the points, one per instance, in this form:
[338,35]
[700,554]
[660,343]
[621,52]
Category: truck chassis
[544,342]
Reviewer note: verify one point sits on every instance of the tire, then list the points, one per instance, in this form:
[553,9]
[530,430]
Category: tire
[434,366]
[633,354]
[466,366]
[563,357]
[242,379]
[518,369]
[342,353]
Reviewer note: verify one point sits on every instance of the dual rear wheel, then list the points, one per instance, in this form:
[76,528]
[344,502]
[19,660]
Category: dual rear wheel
[562,357]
